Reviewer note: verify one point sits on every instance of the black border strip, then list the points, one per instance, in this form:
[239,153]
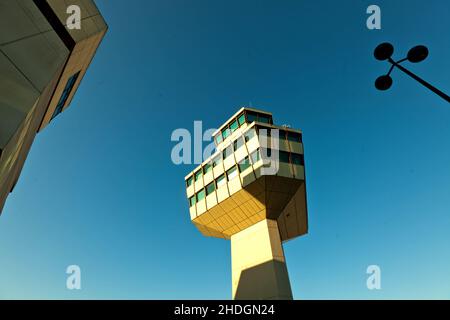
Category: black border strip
[56,24]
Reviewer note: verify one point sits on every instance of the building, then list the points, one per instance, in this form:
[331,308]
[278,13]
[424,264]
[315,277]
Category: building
[236,195]
[42,62]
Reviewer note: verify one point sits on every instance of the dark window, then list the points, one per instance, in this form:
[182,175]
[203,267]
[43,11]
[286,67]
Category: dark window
[244,164]
[284,156]
[65,95]
[207,168]
[294,136]
[251,116]
[210,188]
[263,118]
[189,181]
[241,119]
[192,201]
[198,175]
[298,159]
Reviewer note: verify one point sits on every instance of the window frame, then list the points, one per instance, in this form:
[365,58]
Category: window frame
[213,183]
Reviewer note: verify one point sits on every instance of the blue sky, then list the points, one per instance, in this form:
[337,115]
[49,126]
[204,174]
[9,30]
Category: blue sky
[99,189]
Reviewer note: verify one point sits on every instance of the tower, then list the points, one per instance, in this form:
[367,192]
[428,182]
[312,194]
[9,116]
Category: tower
[252,191]
[42,62]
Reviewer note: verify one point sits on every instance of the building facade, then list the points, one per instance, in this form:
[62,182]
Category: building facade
[252,192]
[42,62]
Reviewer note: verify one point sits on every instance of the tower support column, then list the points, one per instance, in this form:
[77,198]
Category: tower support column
[258,265]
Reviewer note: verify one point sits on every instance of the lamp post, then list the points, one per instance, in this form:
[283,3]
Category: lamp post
[417,54]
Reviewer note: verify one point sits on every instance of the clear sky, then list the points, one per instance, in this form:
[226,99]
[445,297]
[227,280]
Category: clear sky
[99,189]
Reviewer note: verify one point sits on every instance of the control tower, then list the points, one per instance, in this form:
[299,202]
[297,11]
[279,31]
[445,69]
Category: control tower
[252,191]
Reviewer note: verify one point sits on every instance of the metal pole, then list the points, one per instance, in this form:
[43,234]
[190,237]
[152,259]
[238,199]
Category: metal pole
[423,82]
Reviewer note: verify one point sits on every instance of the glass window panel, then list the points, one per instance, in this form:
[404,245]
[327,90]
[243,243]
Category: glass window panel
[192,201]
[244,164]
[263,118]
[225,133]
[251,116]
[249,134]
[216,160]
[201,195]
[234,126]
[241,119]
[255,156]
[298,159]
[219,138]
[210,188]
[228,151]
[232,173]
[207,168]
[284,156]
[198,175]
[294,136]
[238,143]
[189,181]
[220,181]
[67,89]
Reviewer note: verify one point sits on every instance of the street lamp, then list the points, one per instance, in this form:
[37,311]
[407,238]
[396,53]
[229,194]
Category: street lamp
[417,54]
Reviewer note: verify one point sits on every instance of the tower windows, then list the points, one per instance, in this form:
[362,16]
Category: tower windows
[65,95]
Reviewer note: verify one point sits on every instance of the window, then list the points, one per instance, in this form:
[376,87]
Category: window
[219,138]
[249,135]
[241,119]
[234,126]
[284,156]
[210,188]
[238,143]
[225,133]
[201,195]
[298,159]
[65,95]
[189,181]
[232,173]
[251,116]
[220,181]
[255,156]
[294,136]
[207,168]
[216,160]
[198,175]
[228,151]
[263,118]
[192,201]
[244,164]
